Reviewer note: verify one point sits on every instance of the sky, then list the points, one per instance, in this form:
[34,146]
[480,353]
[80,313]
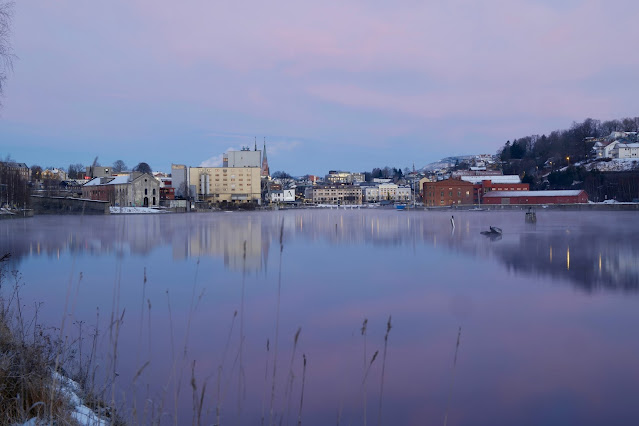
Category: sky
[329,85]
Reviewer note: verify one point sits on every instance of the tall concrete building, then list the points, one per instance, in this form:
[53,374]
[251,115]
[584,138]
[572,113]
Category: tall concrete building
[243,158]
[180,179]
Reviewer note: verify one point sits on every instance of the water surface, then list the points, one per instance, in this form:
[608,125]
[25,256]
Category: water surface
[546,311]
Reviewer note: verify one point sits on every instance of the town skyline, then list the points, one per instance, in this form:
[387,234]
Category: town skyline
[340,86]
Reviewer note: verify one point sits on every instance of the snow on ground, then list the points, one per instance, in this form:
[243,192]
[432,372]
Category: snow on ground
[81,413]
[128,210]
[614,165]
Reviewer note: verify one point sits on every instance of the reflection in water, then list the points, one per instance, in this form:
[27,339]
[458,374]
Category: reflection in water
[534,353]
[603,256]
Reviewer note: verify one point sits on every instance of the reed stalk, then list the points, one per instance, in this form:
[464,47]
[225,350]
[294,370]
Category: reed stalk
[363,333]
[277,324]
[299,415]
[452,377]
[381,390]
[289,388]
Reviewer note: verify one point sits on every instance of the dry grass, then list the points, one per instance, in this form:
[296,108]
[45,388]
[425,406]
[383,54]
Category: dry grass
[29,354]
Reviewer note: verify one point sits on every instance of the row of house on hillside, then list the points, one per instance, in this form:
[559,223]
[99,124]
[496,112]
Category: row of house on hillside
[617,145]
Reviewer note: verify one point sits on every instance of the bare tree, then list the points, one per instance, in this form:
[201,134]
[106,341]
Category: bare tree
[76,171]
[119,166]
[6,52]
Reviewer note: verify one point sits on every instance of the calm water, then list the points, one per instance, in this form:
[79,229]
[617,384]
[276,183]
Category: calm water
[548,313]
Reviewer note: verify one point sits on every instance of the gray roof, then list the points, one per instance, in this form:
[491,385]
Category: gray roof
[558,193]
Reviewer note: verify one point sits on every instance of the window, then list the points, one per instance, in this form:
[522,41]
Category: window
[146,191]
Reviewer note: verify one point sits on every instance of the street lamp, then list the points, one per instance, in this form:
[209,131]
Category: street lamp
[568,160]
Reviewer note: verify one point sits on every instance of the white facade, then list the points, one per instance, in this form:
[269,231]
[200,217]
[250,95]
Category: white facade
[283,196]
[403,194]
[370,194]
[616,149]
[387,191]
[627,150]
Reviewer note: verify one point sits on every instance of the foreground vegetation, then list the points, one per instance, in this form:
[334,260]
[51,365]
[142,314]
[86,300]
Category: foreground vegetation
[35,366]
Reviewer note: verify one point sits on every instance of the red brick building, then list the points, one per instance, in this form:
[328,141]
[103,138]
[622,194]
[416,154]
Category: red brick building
[167,193]
[487,186]
[535,197]
[99,192]
[448,192]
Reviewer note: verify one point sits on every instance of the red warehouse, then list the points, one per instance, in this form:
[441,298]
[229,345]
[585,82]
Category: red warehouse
[536,197]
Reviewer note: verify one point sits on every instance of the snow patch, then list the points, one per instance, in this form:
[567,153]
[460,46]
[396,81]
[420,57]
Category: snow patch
[129,210]
[614,165]
[81,413]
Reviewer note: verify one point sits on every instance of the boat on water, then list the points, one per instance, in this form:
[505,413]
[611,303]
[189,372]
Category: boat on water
[400,206]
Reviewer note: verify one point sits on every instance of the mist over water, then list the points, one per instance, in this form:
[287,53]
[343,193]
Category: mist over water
[546,310]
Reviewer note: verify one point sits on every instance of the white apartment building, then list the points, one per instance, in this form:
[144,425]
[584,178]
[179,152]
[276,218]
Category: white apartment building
[403,194]
[387,191]
[626,150]
[370,194]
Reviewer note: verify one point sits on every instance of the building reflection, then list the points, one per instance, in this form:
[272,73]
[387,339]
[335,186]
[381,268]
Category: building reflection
[241,242]
[600,257]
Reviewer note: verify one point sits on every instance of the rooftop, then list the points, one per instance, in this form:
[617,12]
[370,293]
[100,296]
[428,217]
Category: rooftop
[557,193]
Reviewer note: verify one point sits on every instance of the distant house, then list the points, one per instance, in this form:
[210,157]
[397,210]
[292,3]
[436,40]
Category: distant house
[603,148]
[626,150]
[334,194]
[335,177]
[536,197]
[56,174]
[283,196]
[71,186]
[136,189]
[617,145]
[11,167]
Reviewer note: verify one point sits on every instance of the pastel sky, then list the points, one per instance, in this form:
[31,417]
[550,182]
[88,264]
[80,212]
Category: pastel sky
[347,85]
